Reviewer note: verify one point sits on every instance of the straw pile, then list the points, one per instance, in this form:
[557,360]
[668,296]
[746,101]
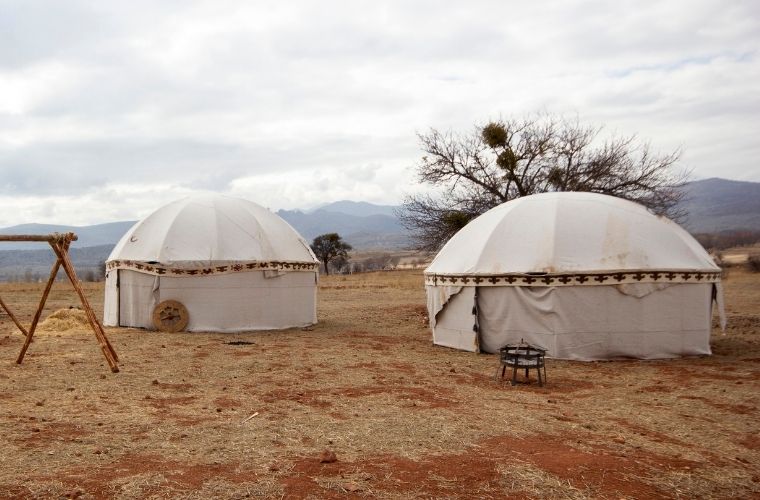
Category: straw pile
[64,320]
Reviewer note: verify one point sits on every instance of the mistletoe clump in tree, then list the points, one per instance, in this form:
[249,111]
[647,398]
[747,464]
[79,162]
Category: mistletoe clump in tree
[506,159]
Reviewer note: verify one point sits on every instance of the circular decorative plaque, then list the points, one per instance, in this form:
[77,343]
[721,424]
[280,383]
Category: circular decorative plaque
[170,316]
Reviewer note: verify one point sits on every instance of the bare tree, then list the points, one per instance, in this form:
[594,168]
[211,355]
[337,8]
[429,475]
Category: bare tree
[508,159]
[328,247]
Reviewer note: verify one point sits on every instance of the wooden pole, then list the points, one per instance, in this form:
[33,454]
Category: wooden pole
[60,247]
[13,317]
[51,279]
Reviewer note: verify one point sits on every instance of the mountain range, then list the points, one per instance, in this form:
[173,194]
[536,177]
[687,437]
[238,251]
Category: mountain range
[719,205]
[364,225]
[713,205]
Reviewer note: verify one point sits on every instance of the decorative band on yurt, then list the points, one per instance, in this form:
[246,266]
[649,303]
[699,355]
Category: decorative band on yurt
[574,279]
[235,267]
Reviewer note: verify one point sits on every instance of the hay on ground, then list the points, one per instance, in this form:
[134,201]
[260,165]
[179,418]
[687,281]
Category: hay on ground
[64,320]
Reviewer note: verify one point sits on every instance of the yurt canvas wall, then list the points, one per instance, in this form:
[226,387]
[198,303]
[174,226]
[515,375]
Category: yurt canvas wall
[586,276]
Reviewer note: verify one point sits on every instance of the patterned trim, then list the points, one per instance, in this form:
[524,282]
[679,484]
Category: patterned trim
[574,279]
[234,267]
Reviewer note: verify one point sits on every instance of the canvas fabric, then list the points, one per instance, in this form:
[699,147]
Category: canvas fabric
[602,322]
[437,298]
[456,324]
[111,300]
[569,233]
[204,231]
[224,303]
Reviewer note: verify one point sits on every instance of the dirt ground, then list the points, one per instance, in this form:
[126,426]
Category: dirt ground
[252,415]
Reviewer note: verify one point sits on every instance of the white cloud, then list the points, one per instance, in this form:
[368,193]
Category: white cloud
[108,110]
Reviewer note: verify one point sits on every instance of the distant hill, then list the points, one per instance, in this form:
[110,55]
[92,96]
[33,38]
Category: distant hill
[34,265]
[358,208]
[716,205]
[89,236]
[366,232]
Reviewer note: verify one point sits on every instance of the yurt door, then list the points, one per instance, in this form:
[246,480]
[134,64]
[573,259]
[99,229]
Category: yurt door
[457,324]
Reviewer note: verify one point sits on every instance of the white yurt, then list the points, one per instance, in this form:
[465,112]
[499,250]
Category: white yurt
[584,275]
[232,264]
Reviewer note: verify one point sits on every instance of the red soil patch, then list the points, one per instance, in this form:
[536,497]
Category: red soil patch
[428,398]
[242,354]
[226,402]
[751,442]
[371,365]
[733,408]
[166,403]
[308,398]
[43,434]
[652,435]
[685,376]
[658,387]
[403,367]
[97,481]
[477,470]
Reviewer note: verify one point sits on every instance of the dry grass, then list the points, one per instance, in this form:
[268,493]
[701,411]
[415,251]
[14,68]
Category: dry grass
[64,320]
[406,419]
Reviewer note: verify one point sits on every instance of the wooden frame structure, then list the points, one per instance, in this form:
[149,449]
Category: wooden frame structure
[60,244]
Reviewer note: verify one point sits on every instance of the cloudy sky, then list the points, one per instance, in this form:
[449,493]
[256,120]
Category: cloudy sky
[110,109]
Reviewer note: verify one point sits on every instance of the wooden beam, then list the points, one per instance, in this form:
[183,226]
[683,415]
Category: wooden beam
[37,237]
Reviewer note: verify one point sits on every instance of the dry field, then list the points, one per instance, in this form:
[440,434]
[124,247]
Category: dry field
[249,415]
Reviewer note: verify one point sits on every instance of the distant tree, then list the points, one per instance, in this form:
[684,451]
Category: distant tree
[507,159]
[328,247]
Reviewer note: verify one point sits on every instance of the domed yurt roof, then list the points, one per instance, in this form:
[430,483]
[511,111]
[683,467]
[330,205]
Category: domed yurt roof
[203,229]
[569,232]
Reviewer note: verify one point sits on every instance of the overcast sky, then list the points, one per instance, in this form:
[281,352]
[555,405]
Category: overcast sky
[110,109]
